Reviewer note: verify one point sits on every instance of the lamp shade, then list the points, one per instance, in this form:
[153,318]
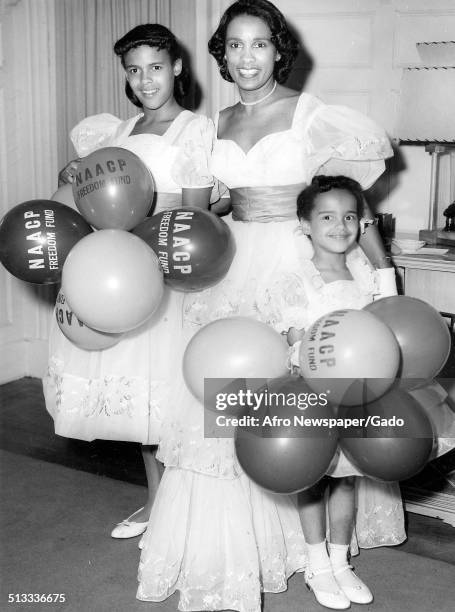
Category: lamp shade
[427,105]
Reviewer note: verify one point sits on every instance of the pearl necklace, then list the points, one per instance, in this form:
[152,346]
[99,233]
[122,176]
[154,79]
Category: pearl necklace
[260,99]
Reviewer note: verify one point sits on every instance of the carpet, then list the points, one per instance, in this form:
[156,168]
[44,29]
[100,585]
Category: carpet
[55,524]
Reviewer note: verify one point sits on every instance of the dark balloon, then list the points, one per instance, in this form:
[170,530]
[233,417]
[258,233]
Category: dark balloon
[36,237]
[396,443]
[195,247]
[422,334]
[113,188]
[287,457]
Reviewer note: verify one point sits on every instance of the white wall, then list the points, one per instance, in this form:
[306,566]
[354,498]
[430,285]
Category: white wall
[27,169]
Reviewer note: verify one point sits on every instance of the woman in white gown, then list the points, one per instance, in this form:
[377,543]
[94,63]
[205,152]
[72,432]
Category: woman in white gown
[213,534]
[121,393]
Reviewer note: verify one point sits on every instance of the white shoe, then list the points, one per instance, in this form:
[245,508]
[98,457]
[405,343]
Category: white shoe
[327,595]
[129,528]
[351,585]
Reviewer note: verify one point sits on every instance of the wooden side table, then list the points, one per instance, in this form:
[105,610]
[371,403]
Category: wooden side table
[431,278]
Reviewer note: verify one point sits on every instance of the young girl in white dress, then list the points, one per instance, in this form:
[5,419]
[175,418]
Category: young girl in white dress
[121,393]
[330,211]
[213,534]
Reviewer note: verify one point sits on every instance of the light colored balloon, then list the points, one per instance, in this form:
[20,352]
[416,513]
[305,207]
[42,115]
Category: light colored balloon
[112,281]
[79,334]
[233,348]
[351,354]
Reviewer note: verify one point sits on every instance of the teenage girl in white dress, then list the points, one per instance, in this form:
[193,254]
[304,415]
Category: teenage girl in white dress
[121,393]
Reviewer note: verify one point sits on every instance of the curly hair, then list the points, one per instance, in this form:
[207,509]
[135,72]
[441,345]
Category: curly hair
[285,42]
[157,36]
[322,184]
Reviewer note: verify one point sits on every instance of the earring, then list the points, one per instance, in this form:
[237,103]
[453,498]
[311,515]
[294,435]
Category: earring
[278,57]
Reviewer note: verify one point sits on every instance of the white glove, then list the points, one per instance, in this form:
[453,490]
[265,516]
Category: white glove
[387,282]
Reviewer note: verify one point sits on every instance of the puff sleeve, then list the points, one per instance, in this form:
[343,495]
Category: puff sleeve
[344,141]
[94,132]
[191,166]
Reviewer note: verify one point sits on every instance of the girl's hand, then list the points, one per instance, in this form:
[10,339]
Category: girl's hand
[66,175]
[293,335]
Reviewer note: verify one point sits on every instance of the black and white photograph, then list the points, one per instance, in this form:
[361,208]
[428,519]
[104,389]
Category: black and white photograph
[227,305]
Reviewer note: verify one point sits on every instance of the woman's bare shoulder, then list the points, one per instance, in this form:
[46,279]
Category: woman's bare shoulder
[226,116]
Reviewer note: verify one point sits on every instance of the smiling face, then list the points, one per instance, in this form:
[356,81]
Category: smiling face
[250,53]
[151,73]
[334,221]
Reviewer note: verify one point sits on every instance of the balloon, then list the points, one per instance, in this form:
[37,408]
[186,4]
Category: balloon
[422,334]
[79,334]
[233,348]
[285,456]
[352,353]
[195,247]
[391,449]
[36,237]
[112,281]
[113,189]
[64,194]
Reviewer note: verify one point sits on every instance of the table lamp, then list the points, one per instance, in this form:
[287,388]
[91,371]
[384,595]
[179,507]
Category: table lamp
[426,117]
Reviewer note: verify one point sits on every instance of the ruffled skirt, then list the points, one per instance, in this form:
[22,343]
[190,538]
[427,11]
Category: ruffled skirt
[120,393]
[222,542]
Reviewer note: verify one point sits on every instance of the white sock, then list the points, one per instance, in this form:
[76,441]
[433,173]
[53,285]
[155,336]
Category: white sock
[318,560]
[338,555]
[346,579]
[318,557]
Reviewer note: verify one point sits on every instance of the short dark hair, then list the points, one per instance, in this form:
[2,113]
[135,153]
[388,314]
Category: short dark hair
[285,42]
[322,184]
[158,36]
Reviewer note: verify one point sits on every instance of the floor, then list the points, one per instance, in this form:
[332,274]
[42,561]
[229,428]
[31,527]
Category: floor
[60,542]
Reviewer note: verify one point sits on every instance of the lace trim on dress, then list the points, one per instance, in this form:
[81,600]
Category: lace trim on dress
[238,591]
[104,399]
[226,591]
[209,456]
[354,148]
[280,305]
